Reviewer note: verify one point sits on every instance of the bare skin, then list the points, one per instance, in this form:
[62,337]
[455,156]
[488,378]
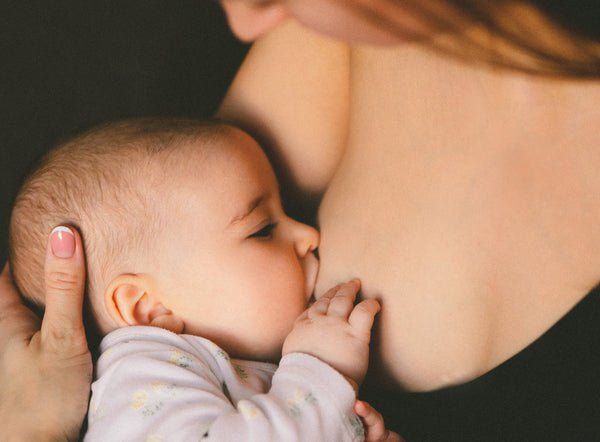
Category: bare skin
[375,427]
[464,198]
[47,364]
[485,232]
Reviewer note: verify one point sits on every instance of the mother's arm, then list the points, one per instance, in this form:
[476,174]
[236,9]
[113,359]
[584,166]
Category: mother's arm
[45,368]
[292,94]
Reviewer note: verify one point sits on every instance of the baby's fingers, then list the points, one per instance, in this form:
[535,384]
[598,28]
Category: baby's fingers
[343,301]
[352,285]
[337,301]
[363,315]
[318,308]
[375,426]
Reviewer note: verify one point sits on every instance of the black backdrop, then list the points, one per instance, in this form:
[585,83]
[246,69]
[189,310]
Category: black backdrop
[69,64]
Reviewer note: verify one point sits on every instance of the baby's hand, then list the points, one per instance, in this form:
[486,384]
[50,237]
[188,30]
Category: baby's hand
[374,425]
[336,331]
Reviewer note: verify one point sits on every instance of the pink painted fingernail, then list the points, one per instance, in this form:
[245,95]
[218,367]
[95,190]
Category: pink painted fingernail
[62,242]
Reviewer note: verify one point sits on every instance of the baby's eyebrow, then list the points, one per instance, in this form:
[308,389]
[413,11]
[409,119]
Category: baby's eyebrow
[250,208]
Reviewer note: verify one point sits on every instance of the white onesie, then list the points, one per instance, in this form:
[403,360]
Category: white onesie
[154,385]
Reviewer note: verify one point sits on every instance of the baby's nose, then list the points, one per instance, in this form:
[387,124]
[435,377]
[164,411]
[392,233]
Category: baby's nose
[307,239]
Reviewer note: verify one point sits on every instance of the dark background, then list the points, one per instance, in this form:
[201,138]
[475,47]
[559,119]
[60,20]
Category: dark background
[67,65]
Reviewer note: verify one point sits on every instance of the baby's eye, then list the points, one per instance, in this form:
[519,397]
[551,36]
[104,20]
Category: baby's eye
[265,232]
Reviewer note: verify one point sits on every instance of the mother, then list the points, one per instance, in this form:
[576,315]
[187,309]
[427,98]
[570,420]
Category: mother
[456,155]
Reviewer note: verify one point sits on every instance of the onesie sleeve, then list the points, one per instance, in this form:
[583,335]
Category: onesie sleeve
[308,401]
[153,385]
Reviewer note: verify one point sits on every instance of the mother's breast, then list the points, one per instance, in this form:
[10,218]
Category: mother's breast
[409,242]
[452,223]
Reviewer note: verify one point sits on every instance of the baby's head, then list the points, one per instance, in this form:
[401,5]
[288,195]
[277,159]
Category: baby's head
[182,226]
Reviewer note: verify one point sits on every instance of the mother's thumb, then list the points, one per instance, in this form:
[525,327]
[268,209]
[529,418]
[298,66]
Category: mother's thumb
[62,325]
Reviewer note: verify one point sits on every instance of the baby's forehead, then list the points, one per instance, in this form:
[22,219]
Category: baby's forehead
[226,169]
[227,151]
[203,147]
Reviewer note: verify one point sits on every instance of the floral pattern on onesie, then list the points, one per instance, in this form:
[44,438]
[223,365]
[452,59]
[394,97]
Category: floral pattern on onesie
[154,385]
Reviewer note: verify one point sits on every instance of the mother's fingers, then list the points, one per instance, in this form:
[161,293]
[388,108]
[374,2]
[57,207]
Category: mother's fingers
[16,320]
[62,326]
[8,292]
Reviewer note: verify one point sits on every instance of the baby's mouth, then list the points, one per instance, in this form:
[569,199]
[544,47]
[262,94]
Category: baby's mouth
[310,267]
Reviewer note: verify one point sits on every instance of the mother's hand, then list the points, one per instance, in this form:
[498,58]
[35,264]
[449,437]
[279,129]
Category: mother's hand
[46,368]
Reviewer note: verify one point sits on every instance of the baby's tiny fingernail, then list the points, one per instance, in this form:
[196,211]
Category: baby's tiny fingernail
[62,242]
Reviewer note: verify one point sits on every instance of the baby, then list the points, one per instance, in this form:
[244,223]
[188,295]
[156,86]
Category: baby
[195,278]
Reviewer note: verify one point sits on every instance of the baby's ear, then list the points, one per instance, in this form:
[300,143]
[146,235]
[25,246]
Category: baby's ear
[130,300]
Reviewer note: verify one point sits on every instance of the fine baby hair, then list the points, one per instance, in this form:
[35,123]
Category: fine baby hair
[105,176]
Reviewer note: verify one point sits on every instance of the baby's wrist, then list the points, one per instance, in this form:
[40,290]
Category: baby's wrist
[353,383]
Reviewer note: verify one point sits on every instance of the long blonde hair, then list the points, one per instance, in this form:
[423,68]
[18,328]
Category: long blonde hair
[542,37]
